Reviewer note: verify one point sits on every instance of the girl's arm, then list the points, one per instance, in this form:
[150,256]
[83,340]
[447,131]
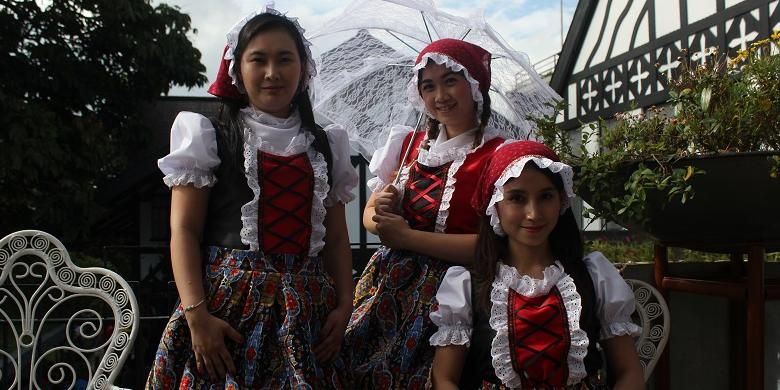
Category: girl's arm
[395,233]
[623,363]
[614,304]
[386,200]
[447,366]
[368,213]
[337,257]
[188,214]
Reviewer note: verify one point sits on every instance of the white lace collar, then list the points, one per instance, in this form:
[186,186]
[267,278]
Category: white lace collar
[442,143]
[443,150]
[279,136]
[261,119]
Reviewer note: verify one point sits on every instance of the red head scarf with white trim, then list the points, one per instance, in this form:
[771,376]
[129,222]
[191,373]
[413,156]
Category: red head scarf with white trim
[507,163]
[475,59]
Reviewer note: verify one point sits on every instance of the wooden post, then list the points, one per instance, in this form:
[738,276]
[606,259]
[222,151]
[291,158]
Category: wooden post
[737,328]
[754,362]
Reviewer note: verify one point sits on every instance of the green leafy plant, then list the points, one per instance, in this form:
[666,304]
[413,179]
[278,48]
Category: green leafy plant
[716,105]
[641,251]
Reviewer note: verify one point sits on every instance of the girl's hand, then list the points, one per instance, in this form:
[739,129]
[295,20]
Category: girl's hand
[392,229]
[332,334]
[387,200]
[208,342]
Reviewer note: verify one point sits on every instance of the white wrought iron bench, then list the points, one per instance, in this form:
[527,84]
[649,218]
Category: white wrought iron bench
[60,325]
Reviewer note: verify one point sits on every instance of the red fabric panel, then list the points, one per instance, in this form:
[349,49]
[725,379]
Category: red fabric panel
[539,338]
[286,193]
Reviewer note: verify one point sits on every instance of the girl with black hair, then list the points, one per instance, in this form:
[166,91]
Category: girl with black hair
[531,309]
[259,243]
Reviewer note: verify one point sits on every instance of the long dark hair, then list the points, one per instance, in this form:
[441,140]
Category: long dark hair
[484,117]
[230,127]
[565,242]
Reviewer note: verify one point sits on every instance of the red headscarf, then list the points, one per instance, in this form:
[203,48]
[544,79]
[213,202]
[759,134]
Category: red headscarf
[475,59]
[504,157]
[223,86]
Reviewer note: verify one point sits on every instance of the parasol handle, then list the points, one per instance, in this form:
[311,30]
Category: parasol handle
[408,149]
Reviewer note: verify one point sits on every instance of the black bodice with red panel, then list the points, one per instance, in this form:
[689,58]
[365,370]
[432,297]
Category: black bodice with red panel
[286,193]
[423,194]
[539,334]
[425,187]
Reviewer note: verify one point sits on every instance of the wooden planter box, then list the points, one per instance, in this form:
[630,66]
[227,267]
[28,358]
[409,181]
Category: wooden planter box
[736,203]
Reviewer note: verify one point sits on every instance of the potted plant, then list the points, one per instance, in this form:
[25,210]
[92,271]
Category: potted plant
[703,169]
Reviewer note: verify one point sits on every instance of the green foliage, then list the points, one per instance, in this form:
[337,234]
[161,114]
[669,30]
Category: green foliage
[641,251]
[74,77]
[723,105]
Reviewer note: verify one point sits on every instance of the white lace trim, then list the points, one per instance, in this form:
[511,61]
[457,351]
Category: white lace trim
[451,335]
[620,329]
[195,177]
[250,210]
[232,42]
[266,119]
[403,177]
[297,144]
[413,94]
[449,186]
[514,170]
[446,197]
[440,157]
[320,169]
[375,184]
[554,276]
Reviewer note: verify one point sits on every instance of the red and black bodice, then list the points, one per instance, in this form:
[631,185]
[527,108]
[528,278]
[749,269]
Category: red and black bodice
[284,205]
[287,190]
[426,185]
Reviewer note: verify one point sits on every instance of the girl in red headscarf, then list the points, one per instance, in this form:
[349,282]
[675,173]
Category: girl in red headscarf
[425,222]
[259,244]
[532,309]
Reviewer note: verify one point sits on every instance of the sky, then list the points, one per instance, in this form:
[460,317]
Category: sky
[530,26]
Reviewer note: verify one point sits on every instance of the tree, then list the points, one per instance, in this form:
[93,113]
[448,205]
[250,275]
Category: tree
[73,76]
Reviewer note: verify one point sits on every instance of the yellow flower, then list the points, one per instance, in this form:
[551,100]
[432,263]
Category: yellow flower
[688,173]
[760,42]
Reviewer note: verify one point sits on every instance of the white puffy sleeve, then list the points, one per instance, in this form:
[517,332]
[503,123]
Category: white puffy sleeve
[385,161]
[452,314]
[614,298]
[193,157]
[345,177]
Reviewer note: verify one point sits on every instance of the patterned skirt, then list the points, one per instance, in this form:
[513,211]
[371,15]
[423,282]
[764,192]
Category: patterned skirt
[386,344]
[592,382]
[278,303]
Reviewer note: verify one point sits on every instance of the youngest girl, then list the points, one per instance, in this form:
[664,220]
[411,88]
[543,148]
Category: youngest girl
[532,309]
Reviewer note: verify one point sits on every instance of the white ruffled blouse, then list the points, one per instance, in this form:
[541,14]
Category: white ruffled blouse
[193,159]
[614,306]
[386,162]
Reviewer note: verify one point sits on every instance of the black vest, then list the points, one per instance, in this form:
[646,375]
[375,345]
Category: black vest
[479,362]
[223,218]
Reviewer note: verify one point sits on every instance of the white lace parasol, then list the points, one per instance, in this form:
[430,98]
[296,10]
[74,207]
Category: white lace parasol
[363,80]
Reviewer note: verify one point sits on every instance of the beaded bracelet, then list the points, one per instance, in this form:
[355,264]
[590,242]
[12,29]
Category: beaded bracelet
[194,306]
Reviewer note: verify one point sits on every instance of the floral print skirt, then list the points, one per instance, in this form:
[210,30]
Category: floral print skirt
[386,345]
[277,302]
[591,382]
